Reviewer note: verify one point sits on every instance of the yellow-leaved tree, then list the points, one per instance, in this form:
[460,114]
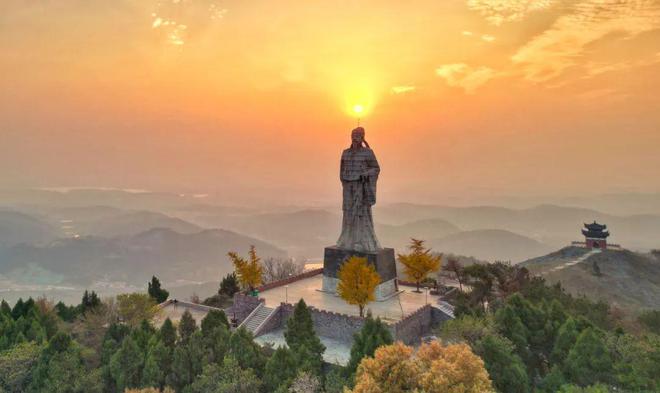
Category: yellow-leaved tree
[357,282]
[249,270]
[419,262]
[435,368]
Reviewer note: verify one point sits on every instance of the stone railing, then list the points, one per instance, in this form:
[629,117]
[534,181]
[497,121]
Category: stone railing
[191,305]
[289,280]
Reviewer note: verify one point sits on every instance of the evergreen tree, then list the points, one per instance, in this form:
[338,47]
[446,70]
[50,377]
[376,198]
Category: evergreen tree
[67,313]
[373,334]
[143,334]
[300,329]
[5,309]
[188,360]
[336,380]
[553,381]
[512,327]
[157,364]
[187,326]
[60,369]
[156,292]
[90,300]
[168,334]
[229,285]
[213,319]
[566,338]
[228,378]
[280,369]
[245,351]
[217,342]
[505,368]
[302,339]
[126,365]
[18,310]
[589,361]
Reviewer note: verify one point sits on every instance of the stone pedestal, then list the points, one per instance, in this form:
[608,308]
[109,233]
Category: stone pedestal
[382,260]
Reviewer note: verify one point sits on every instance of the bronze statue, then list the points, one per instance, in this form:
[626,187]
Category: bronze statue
[358,174]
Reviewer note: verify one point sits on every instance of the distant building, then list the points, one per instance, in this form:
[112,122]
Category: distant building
[595,235]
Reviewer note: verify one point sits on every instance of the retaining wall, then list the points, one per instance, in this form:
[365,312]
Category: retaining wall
[327,323]
[410,329]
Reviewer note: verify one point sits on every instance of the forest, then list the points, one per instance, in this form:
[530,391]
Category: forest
[512,333]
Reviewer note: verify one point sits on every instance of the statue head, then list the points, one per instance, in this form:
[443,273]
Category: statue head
[357,138]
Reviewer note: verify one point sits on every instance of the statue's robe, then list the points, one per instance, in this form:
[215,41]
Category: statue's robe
[358,174]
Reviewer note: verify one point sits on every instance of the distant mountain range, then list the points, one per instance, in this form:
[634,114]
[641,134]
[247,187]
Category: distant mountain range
[490,245]
[127,236]
[17,228]
[200,256]
[555,226]
[623,278]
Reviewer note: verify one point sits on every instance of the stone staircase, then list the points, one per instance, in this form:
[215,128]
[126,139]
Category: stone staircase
[254,321]
[446,308]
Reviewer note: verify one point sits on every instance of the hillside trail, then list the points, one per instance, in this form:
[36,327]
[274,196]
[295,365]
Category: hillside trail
[576,260]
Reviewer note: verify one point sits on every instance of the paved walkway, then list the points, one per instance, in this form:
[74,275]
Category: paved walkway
[336,352]
[575,261]
[391,310]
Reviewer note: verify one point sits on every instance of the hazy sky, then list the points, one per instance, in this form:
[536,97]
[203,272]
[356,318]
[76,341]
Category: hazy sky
[462,98]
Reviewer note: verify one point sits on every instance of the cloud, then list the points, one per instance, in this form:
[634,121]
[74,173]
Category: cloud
[402,89]
[464,76]
[488,38]
[547,55]
[176,20]
[498,12]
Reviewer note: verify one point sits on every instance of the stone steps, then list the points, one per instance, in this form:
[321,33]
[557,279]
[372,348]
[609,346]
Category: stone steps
[255,320]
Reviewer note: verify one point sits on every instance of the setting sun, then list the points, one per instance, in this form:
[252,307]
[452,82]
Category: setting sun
[358,109]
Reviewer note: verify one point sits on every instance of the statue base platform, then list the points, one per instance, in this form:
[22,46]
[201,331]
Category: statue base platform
[383,260]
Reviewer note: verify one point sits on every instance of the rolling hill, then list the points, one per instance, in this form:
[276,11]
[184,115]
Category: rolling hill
[624,278]
[490,245]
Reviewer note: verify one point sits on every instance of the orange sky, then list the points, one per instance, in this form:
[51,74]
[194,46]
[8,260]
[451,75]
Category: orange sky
[464,98]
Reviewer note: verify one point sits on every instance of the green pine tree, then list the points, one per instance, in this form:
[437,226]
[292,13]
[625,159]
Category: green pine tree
[505,368]
[246,352]
[373,334]
[126,365]
[157,364]
[188,360]
[229,285]
[187,326]
[589,361]
[155,291]
[280,369]
[213,319]
[167,334]
[303,341]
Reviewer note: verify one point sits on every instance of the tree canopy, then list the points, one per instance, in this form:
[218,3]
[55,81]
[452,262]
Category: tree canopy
[249,271]
[419,263]
[357,282]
